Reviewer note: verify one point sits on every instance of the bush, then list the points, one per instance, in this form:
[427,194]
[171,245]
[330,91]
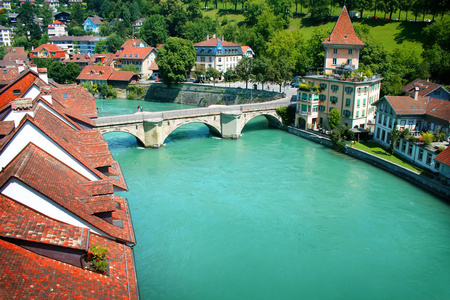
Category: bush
[287,114]
[135,92]
[427,137]
[98,261]
[413,139]
[440,149]
[337,140]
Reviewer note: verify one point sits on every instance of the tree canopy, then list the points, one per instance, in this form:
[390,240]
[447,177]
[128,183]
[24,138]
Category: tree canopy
[175,59]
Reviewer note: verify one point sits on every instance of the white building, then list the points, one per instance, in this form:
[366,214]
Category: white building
[5,36]
[57,28]
[218,54]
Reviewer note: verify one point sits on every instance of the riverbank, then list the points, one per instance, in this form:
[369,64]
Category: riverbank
[416,178]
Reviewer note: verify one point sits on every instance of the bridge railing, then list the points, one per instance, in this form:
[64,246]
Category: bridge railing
[214,109]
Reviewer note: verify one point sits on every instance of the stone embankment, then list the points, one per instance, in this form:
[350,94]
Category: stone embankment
[421,180]
[205,95]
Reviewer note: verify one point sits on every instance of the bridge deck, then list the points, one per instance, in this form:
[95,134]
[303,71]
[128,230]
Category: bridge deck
[173,114]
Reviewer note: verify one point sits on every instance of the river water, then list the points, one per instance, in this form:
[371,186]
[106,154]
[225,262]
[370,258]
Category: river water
[275,216]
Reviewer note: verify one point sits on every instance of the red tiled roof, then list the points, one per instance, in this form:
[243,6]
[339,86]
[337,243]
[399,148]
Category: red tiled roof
[122,76]
[444,157]
[439,108]
[132,43]
[51,48]
[6,127]
[77,58]
[20,84]
[213,42]
[64,186]
[106,59]
[134,53]
[8,75]
[343,32]
[406,105]
[91,72]
[76,99]
[425,87]
[19,222]
[16,53]
[27,275]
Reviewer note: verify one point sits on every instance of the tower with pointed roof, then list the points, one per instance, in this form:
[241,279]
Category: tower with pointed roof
[340,86]
[342,46]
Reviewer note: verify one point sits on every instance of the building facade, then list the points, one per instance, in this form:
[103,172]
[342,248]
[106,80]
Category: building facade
[49,51]
[77,44]
[5,36]
[339,86]
[137,53]
[416,114]
[57,28]
[218,54]
[93,24]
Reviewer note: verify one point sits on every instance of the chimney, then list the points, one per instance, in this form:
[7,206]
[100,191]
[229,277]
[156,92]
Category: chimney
[43,74]
[47,94]
[214,36]
[20,68]
[207,37]
[223,38]
[416,92]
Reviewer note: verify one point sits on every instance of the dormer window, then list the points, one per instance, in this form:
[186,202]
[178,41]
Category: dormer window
[16,92]
[65,96]
[335,51]
[137,55]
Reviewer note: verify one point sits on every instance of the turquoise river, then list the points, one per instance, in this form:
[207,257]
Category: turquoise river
[275,216]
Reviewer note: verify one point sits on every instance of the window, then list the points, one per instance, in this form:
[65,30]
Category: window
[220,59]
[330,109]
[65,96]
[322,107]
[383,133]
[364,101]
[304,107]
[334,87]
[335,51]
[397,144]
[410,149]
[363,112]
[349,90]
[16,92]
[350,51]
[357,114]
[358,102]
[428,162]
[385,120]
[378,133]
[315,108]
[322,97]
[347,113]
[359,90]
[404,146]
[333,99]
[323,86]
[437,165]
[347,102]
[334,60]
[420,157]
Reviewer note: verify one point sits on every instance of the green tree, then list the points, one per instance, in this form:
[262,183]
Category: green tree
[46,14]
[314,49]
[244,70]
[131,68]
[71,72]
[395,135]
[56,71]
[155,30]
[175,59]
[213,73]
[334,118]
[100,47]
[114,42]
[193,10]
[77,17]
[261,67]
[175,14]
[279,71]
[200,71]
[320,10]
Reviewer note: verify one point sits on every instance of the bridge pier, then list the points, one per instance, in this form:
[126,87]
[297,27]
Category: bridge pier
[231,125]
[153,134]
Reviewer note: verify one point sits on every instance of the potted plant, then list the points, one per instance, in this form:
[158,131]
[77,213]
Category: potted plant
[96,260]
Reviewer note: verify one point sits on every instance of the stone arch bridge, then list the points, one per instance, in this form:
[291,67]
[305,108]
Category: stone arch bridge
[152,128]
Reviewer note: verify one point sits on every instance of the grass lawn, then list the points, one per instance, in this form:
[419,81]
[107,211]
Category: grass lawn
[376,149]
[392,34]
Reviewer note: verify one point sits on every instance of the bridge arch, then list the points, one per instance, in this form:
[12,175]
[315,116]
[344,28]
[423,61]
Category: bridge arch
[271,117]
[172,125]
[135,130]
